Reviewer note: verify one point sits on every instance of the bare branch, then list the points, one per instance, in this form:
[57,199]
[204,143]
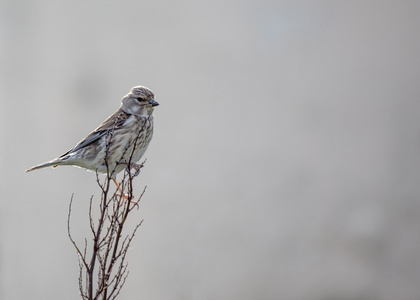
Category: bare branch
[81,256]
[103,269]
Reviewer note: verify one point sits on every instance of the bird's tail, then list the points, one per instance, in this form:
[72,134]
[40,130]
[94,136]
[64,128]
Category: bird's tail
[54,163]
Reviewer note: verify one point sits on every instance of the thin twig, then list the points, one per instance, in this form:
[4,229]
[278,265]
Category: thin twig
[109,246]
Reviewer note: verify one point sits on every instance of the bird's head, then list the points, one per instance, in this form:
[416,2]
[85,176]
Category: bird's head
[139,101]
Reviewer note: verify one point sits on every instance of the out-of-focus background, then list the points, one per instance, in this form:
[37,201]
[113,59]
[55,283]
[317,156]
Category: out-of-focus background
[285,162]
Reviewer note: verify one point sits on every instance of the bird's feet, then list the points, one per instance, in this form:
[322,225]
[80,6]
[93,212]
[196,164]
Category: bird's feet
[123,196]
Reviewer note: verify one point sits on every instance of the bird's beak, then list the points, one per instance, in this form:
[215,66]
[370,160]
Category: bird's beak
[153,102]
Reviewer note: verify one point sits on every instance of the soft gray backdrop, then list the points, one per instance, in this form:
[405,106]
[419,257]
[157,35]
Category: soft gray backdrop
[285,162]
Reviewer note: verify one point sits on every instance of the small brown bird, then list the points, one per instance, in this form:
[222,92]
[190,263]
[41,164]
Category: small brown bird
[121,140]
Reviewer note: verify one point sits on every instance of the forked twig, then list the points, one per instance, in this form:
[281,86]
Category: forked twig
[102,261]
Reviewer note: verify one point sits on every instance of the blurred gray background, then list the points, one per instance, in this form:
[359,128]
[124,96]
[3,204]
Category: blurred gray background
[285,162]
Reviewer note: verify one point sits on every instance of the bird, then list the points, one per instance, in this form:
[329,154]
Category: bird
[118,143]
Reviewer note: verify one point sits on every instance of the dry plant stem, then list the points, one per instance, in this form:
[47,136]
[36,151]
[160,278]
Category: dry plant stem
[103,272]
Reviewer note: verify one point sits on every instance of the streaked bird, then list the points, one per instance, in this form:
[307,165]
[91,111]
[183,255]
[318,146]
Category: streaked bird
[119,142]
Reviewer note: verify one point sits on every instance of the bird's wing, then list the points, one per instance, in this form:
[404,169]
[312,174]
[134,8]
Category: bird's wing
[114,122]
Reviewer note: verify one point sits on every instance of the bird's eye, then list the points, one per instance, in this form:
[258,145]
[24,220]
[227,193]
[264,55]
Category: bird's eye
[140,99]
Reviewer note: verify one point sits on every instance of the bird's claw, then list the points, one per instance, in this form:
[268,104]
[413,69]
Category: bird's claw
[136,168]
